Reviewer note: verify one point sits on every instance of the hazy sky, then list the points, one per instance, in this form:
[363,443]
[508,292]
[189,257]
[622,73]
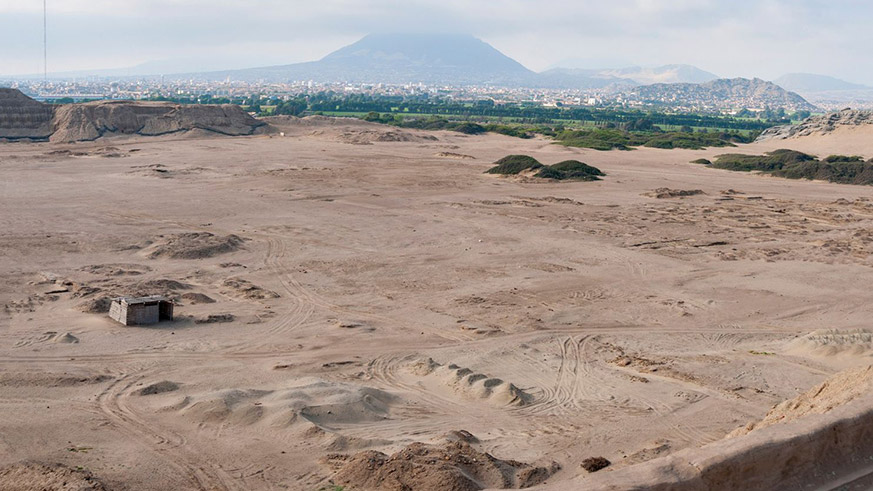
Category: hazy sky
[764,38]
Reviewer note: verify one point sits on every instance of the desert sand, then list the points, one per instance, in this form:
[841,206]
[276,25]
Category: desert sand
[356,302]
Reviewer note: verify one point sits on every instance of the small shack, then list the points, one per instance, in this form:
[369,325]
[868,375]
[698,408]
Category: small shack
[141,311]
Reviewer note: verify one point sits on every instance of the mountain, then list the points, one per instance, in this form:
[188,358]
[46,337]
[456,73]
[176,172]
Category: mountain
[452,59]
[595,63]
[809,82]
[400,58]
[723,94]
[668,74]
[577,78]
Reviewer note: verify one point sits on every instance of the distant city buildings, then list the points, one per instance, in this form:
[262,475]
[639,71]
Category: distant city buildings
[163,87]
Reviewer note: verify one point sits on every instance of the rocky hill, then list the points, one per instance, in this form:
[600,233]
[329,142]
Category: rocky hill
[722,94]
[819,125]
[22,118]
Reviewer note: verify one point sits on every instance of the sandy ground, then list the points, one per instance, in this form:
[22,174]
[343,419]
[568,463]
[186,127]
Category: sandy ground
[367,277]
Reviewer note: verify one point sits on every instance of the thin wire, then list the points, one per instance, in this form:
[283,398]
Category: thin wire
[44,40]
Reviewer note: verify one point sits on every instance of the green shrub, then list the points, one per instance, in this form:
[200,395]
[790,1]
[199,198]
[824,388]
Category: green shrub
[769,162]
[832,159]
[792,164]
[514,164]
[550,173]
[573,169]
[470,128]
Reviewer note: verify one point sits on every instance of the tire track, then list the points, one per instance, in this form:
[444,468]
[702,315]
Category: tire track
[167,446]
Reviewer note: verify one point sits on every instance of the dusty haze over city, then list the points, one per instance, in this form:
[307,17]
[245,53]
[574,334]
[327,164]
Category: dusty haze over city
[747,38]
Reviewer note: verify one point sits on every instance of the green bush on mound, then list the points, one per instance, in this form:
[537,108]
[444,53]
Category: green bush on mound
[571,169]
[769,162]
[833,159]
[566,170]
[701,162]
[791,164]
[470,129]
[514,164]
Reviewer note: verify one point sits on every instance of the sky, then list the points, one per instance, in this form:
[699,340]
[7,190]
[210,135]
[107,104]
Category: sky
[731,38]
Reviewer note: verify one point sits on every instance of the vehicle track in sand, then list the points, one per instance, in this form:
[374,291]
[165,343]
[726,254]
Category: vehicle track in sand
[167,446]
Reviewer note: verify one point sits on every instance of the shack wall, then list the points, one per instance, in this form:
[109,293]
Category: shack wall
[118,312]
[143,314]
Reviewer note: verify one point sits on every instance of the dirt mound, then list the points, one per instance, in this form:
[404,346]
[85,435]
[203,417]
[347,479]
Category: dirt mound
[116,269]
[837,391]
[22,118]
[834,342]
[454,466]
[471,384]
[215,319]
[368,137]
[819,125]
[163,285]
[50,379]
[245,289]
[32,476]
[97,299]
[90,121]
[193,245]
[196,298]
[319,402]
[65,338]
[456,156]
[666,193]
[158,388]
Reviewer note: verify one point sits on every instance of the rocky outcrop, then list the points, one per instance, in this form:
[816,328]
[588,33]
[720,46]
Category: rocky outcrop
[22,118]
[817,125]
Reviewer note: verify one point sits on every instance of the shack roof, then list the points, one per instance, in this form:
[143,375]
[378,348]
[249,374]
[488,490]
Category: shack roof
[142,300]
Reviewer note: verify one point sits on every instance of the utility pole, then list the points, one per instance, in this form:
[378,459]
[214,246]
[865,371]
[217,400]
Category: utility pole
[45,40]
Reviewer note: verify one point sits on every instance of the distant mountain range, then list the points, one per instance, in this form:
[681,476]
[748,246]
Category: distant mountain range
[808,82]
[451,59]
[667,74]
